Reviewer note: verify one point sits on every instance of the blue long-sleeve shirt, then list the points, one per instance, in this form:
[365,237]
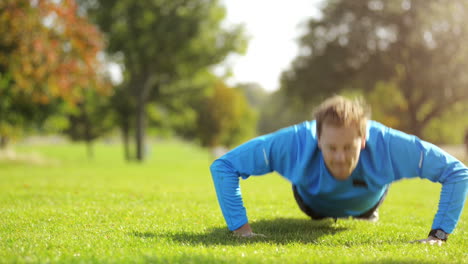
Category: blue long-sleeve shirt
[389,155]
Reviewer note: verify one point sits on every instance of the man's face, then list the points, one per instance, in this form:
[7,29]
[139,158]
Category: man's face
[341,147]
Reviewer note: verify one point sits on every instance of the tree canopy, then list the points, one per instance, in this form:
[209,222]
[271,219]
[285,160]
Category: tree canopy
[410,55]
[47,49]
[225,118]
[48,53]
[162,42]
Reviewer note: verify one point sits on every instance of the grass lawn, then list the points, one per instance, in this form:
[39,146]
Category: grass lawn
[66,208]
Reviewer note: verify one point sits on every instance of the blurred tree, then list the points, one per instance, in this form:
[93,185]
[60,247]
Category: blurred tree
[257,97]
[90,119]
[417,48]
[255,94]
[180,102]
[280,111]
[162,42]
[225,118]
[450,127]
[18,114]
[124,106]
[48,53]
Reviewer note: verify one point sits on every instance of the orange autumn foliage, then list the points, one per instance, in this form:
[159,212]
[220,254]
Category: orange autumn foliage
[49,50]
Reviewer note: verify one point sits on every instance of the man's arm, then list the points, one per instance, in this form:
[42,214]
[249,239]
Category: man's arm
[256,157]
[419,158]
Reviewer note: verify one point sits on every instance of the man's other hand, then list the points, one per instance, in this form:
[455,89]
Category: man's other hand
[431,241]
[246,231]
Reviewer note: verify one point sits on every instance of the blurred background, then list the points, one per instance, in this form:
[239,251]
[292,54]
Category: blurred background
[217,73]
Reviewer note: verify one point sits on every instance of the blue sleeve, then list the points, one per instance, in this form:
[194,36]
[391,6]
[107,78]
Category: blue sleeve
[272,152]
[412,157]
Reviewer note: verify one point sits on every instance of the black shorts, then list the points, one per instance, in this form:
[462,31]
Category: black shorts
[316,216]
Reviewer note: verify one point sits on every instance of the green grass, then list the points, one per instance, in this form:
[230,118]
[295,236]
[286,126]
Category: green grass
[72,210]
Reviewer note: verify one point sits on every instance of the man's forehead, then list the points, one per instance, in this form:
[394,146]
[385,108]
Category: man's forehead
[351,126]
[340,133]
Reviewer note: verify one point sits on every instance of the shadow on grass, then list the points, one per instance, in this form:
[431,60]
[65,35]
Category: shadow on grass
[279,231]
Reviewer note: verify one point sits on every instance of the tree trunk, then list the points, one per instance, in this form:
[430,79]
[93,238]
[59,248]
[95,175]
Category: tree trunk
[126,139]
[414,125]
[3,142]
[142,86]
[89,147]
[140,128]
[142,97]
[125,128]
[88,136]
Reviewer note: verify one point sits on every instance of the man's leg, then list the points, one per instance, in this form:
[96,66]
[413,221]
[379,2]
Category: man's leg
[304,208]
[373,213]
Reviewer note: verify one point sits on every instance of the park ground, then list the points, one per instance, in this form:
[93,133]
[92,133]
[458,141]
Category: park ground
[57,206]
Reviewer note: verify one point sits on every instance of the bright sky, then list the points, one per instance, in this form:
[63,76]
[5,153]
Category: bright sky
[273,27]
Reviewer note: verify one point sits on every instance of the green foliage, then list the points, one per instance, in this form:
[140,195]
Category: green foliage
[183,122]
[256,96]
[387,112]
[225,118]
[176,111]
[174,120]
[91,118]
[18,114]
[56,124]
[280,111]
[165,211]
[163,42]
[446,129]
[450,128]
[417,49]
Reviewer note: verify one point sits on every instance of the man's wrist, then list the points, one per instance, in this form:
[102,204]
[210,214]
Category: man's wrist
[439,234]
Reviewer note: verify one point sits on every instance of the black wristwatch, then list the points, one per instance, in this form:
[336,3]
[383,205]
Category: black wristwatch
[439,233]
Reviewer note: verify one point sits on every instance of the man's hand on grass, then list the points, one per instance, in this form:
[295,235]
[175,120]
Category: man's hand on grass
[246,231]
[430,240]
